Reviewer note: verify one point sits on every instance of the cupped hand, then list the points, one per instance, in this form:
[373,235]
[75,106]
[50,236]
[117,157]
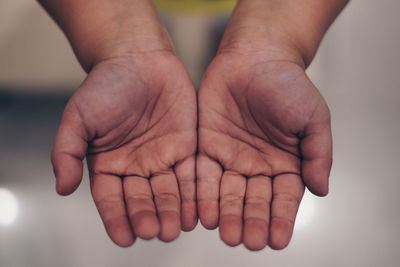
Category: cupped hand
[134,118]
[264,133]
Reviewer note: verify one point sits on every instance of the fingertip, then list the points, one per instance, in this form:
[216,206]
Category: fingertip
[170,226]
[67,184]
[255,246]
[119,231]
[65,190]
[280,233]
[209,215]
[318,185]
[68,173]
[230,230]
[255,234]
[123,240]
[146,225]
[189,219]
[319,191]
[209,224]
[315,174]
[189,227]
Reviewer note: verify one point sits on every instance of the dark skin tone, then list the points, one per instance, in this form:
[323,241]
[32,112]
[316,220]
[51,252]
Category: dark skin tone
[141,163]
[262,132]
[134,119]
[264,128]
[270,112]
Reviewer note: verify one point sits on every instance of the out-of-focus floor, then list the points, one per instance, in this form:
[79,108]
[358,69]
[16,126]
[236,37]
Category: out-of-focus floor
[357,70]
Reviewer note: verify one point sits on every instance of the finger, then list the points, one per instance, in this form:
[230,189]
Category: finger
[107,193]
[185,173]
[316,151]
[68,152]
[233,187]
[288,190]
[257,212]
[166,196]
[141,209]
[209,173]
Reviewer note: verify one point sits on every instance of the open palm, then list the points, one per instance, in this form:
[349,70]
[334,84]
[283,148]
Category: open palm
[134,118]
[264,132]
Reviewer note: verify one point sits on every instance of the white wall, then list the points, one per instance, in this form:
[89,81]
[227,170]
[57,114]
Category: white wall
[358,71]
[34,54]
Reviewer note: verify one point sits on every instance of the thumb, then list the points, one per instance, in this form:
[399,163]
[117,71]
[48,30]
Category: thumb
[316,151]
[69,151]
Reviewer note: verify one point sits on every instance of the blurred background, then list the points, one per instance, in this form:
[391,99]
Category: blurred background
[357,70]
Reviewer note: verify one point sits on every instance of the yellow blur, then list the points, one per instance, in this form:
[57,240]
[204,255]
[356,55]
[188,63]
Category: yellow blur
[196,6]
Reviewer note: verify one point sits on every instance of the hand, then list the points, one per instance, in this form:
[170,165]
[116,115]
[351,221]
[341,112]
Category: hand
[134,118]
[264,132]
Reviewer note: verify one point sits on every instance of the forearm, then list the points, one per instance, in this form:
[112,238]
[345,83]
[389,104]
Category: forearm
[99,29]
[295,25]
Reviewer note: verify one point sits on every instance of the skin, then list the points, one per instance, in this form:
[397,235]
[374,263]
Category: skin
[271,113]
[264,128]
[134,119]
[141,162]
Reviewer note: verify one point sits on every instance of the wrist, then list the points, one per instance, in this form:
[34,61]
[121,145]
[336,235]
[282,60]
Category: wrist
[265,43]
[296,27]
[101,29]
[129,43]
[127,38]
